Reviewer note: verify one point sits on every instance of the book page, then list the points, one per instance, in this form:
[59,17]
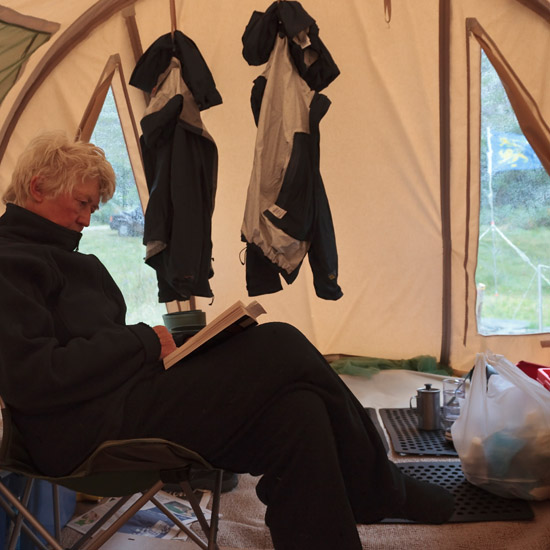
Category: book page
[236,317]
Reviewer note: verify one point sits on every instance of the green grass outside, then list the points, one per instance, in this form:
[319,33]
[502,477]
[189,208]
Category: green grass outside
[123,258]
[514,297]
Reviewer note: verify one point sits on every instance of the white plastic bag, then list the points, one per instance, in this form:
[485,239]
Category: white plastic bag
[502,435]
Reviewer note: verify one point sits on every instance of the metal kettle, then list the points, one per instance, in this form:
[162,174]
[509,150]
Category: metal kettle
[428,407]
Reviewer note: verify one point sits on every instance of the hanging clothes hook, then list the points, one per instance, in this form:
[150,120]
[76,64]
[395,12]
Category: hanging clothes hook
[387,11]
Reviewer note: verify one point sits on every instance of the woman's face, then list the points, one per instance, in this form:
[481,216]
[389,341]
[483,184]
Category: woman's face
[71,210]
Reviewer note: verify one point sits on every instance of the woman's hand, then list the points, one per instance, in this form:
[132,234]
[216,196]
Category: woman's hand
[167,344]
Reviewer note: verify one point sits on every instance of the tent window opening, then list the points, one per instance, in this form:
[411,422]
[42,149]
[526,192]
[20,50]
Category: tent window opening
[20,37]
[116,229]
[513,265]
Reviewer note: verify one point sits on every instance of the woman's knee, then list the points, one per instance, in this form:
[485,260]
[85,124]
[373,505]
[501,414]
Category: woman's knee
[281,334]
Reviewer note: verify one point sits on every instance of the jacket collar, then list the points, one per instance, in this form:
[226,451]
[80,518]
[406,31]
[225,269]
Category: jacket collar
[27,226]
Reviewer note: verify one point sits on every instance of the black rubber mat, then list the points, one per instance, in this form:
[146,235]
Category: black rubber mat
[471,502]
[406,438]
[374,417]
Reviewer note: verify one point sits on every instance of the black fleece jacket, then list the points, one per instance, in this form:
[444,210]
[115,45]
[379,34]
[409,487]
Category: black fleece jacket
[67,358]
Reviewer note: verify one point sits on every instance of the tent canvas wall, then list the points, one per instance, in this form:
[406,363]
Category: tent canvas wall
[399,148]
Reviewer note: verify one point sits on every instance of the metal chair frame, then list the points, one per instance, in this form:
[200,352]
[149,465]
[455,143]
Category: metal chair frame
[116,468]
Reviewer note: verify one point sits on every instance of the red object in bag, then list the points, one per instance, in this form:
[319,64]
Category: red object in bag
[543,376]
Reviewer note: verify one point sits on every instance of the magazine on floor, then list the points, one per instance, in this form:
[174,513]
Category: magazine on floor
[149,521]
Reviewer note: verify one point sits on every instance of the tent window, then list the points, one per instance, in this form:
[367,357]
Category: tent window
[116,231]
[513,267]
[20,37]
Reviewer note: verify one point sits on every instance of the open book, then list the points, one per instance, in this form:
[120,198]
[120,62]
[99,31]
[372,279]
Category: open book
[233,320]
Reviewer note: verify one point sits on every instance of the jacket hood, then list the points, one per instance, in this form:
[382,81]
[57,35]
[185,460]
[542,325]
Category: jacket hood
[290,19]
[194,69]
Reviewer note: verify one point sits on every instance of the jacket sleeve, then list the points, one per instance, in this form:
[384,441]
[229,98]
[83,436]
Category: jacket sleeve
[38,372]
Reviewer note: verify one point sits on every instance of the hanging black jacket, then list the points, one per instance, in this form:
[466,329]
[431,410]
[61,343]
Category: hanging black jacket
[181,166]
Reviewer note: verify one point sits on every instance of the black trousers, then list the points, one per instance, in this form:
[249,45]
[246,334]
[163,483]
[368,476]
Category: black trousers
[267,403]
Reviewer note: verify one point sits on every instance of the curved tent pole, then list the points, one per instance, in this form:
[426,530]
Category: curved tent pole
[540,7]
[78,31]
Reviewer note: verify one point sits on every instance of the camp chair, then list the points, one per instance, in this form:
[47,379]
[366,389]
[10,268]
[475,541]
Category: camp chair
[115,469]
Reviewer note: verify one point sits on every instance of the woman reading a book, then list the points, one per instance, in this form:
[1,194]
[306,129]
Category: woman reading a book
[74,374]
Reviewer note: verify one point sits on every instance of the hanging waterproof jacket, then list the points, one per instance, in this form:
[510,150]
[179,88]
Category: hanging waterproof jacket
[181,166]
[287,215]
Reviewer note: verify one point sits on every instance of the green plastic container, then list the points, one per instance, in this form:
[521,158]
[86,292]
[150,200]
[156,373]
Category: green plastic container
[185,322]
